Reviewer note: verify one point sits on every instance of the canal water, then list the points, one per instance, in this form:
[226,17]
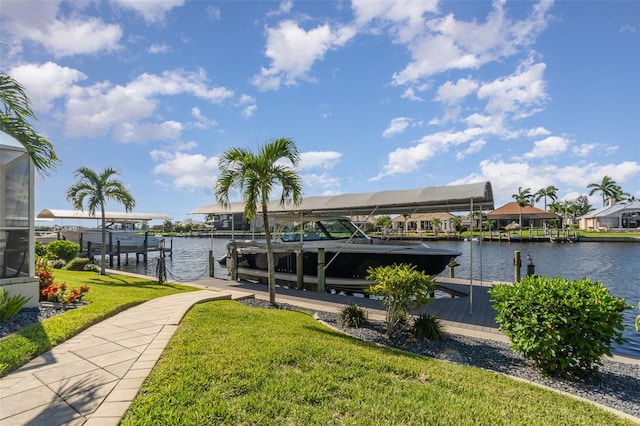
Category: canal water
[616,265]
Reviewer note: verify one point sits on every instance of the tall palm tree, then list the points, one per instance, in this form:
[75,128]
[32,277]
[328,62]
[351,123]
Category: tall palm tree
[256,175]
[15,111]
[523,198]
[608,188]
[97,189]
[548,192]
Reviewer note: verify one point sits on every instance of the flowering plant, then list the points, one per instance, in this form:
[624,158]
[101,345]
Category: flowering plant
[44,272]
[58,293]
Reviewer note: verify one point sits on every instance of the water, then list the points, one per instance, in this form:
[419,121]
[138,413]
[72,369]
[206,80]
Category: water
[616,265]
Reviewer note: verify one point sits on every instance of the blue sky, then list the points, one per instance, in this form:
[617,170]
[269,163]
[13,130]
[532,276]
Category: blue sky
[377,95]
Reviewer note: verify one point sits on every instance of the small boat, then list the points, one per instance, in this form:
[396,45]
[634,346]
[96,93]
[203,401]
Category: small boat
[349,253]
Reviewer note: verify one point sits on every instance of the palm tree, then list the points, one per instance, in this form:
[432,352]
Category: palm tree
[608,188]
[256,176]
[548,192]
[523,198]
[435,223]
[97,189]
[15,111]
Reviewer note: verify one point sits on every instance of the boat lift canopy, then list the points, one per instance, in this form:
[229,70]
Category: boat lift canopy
[110,216]
[450,198]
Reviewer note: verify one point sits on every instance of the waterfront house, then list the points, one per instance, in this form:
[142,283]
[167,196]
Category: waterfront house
[622,215]
[424,222]
[532,217]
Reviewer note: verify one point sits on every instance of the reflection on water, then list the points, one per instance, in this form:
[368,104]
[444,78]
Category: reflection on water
[616,265]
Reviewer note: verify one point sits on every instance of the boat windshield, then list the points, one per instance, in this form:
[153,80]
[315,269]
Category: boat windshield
[325,229]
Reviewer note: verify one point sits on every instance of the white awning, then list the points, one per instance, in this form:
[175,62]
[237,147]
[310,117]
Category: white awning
[112,216]
[451,198]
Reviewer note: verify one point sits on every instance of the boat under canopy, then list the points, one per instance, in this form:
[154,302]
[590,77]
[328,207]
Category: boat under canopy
[349,253]
[448,198]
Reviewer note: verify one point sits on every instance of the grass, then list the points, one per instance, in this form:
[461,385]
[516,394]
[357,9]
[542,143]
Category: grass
[108,295]
[233,364]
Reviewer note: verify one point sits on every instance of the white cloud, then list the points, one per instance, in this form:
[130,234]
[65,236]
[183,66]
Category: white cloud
[213,13]
[548,147]
[538,131]
[405,18]
[62,36]
[46,82]
[158,48]
[474,148]
[521,90]
[410,94]
[506,177]
[151,11]
[319,159]
[448,43]
[583,150]
[452,93]
[321,184]
[186,170]
[396,126]
[293,51]
[202,122]
[103,108]
[248,105]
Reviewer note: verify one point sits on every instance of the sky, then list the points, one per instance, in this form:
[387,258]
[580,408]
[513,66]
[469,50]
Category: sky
[377,95]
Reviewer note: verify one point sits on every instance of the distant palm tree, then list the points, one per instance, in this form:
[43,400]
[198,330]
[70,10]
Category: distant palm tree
[548,192]
[435,223]
[97,189]
[609,190]
[256,176]
[523,198]
[15,111]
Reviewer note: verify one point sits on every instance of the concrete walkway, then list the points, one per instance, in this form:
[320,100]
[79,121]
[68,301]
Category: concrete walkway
[92,378]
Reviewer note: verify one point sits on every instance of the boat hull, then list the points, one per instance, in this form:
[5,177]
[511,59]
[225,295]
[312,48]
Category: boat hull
[347,265]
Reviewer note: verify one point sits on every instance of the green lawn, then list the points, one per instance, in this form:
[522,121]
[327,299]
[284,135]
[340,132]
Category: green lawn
[233,364]
[108,296]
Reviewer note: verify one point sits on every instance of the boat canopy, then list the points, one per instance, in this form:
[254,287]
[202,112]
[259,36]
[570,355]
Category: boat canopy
[112,216]
[449,198]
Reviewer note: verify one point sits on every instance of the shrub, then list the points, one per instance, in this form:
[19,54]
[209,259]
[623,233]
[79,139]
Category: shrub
[77,264]
[402,289]
[564,327]
[92,267]
[10,305]
[41,249]
[427,327]
[63,249]
[352,316]
[57,263]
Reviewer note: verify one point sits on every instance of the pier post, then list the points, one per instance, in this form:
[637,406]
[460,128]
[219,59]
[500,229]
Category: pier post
[517,264]
[234,263]
[118,252]
[300,269]
[321,278]
[89,255]
[146,246]
[211,263]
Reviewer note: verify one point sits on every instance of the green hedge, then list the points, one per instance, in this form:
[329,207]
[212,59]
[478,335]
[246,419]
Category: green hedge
[564,327]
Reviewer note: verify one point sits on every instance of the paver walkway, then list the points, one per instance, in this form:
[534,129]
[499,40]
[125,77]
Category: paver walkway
[92,378]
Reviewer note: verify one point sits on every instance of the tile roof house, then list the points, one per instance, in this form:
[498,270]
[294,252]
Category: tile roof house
[510,212]
[625,214]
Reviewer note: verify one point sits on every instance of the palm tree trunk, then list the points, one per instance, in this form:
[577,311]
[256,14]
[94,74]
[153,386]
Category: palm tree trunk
[103,246]
[270,265]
